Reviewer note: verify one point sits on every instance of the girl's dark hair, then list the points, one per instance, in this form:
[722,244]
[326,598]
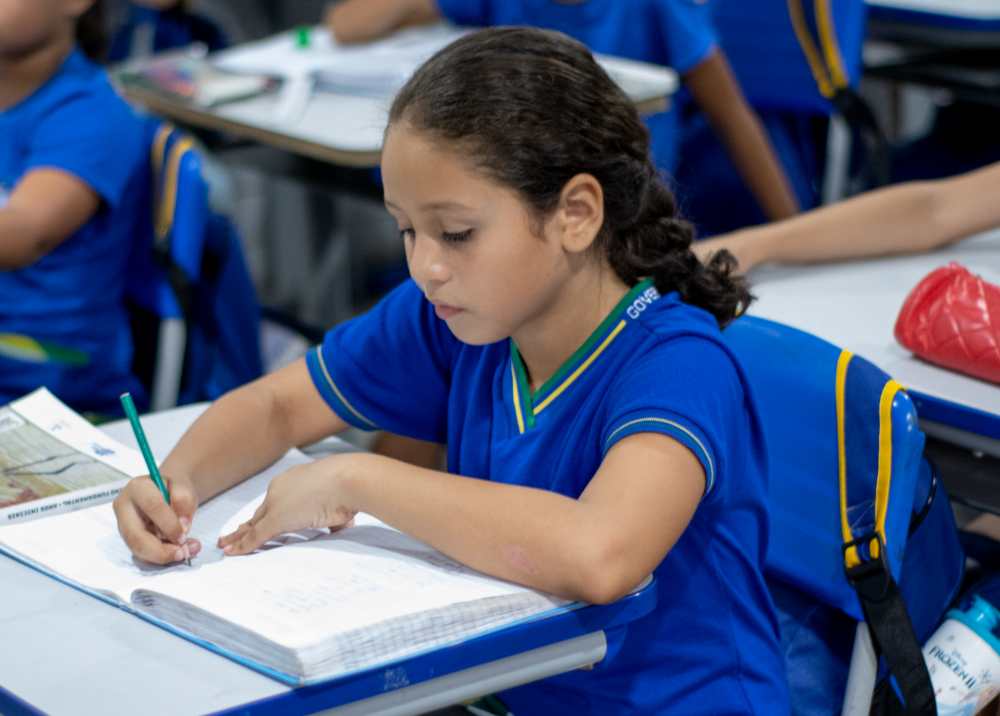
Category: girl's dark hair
[90,32]
[531,109]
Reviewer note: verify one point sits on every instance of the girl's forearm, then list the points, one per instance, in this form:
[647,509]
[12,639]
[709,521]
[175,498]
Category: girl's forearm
[230,441]
[533,537]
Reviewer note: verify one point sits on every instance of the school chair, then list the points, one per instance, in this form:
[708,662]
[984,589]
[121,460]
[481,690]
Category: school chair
[811,69]
[863,557]
[195,315]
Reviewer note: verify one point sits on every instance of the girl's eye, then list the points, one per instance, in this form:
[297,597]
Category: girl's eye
[405,234]
[455,238]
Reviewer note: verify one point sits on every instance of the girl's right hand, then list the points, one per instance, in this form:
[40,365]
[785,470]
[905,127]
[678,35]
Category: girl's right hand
[155,531]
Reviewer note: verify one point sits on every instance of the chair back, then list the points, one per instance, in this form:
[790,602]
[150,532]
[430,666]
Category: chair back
[196,319]
[851,497]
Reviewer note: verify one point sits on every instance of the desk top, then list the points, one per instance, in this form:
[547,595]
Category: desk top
[312,117]
[855,304]
[938,10]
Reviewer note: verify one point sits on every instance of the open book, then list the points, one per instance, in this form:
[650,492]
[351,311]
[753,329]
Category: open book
[305,608]
[52,460]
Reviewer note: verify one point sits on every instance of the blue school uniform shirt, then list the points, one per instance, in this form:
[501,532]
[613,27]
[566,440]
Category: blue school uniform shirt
[69,304]
[674,33]
[655,364]
[167,30]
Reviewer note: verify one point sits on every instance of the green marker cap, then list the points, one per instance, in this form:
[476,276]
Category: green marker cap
[302,36]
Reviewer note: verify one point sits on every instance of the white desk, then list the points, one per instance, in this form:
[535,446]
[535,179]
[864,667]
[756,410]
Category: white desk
[941,23]
[342,127]
[972,10]
[855,304]
[65,652]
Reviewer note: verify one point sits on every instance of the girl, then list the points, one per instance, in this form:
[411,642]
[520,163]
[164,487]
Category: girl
[73,170]
[559,335]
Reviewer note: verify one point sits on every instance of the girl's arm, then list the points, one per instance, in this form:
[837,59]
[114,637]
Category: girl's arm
[45,208]
[366,20]
[239,435]
[719,96]
[595,549]
[906,218]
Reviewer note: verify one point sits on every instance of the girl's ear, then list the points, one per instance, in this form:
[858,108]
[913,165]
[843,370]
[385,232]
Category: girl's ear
[580,213]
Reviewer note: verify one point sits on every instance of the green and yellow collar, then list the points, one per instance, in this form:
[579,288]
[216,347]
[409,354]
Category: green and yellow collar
[527,405]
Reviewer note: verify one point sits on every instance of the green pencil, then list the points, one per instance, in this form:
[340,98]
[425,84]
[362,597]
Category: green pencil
[147,454]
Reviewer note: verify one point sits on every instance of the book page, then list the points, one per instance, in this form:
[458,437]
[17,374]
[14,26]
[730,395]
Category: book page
[298,594]
[53,460]
[85,546]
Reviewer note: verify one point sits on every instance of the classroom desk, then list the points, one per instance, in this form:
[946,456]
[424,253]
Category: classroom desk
[339,127]
[947,44]
[65,652]
[855,304]
[932,19]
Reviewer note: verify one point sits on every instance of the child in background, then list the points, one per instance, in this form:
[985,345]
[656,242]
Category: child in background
[906,218]
[72,169]
[674,33]
[561,338]
[152,26]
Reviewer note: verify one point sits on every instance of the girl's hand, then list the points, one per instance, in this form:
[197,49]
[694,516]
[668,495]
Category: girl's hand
[306,496]
[155,531]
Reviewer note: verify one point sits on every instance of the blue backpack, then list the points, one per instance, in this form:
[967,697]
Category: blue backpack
[196,318]
[863,558]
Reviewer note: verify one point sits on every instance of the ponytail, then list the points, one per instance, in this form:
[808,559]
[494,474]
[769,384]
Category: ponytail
[657,244]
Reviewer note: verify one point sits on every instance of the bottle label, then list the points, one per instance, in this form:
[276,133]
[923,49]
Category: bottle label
[964,669]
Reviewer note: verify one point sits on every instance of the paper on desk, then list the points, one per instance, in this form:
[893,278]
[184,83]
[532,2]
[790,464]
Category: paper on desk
[378,67]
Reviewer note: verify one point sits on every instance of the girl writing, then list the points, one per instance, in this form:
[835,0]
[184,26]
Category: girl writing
[563,341]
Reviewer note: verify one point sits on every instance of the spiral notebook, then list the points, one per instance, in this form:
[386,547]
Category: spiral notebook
[308,607]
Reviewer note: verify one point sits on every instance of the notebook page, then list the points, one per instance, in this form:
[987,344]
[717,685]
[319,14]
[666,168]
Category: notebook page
[299,595]
[85,547]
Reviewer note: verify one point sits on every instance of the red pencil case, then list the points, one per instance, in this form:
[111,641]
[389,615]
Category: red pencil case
[952,318]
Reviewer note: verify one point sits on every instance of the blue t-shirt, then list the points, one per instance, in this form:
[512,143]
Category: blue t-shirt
[70,302]
[655,364]
[675,33]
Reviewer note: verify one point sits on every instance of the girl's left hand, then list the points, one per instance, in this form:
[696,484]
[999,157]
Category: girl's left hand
[306,496]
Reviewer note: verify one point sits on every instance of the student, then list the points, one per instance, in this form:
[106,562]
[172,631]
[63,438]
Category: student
[676,33]
[906,218]
[559,335]
[152,26]
[72,162]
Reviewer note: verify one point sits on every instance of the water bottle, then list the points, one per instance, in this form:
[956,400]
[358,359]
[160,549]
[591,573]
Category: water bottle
[963,658]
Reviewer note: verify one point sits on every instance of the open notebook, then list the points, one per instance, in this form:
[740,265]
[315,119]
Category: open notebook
[306,608]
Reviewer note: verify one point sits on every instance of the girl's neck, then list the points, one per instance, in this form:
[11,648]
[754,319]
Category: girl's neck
[572,315]
[20,76]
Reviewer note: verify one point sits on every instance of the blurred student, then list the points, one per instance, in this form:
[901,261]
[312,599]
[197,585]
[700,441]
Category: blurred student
[152,26]
[72,166]
[905,218]
[674,33]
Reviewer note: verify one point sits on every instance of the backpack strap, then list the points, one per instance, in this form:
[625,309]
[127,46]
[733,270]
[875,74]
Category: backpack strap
[864,535]
[826,63]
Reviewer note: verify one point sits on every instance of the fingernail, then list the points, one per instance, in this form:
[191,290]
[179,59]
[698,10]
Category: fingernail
[178,554]
[228,549]
[185,524]
[187,553]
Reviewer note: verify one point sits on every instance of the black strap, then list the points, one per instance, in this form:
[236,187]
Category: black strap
[892,632]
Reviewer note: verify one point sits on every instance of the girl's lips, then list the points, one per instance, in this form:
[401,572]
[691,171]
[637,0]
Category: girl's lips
[444,311]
